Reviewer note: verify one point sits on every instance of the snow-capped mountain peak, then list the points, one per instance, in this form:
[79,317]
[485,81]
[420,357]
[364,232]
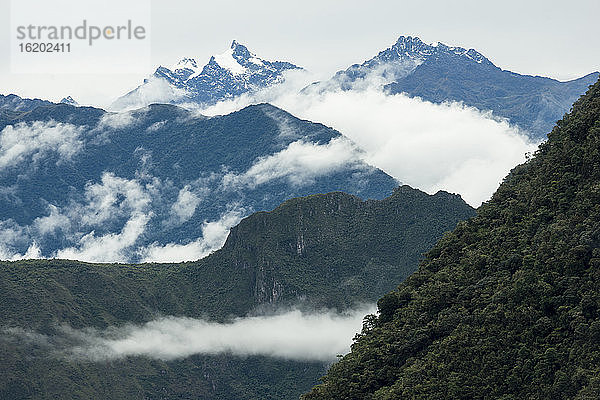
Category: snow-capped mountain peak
[185,63]
[230,59]
[235,71]
[240,50]
[413,48]
[239,60]
[69,100]
[397,62]
[470,54]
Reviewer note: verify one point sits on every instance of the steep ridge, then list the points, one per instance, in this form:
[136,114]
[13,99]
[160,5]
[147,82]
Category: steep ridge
[332,251]
[507,305]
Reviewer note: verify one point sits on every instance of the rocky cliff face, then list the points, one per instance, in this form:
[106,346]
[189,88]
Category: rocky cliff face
[340,239]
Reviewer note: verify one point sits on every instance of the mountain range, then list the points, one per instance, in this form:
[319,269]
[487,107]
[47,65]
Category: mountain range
[78,182]
[330,251]
[14,103]
[504,306]
[69,100]
[433,72]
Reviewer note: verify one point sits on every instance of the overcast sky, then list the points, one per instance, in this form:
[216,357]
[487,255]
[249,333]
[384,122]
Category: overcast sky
[549,38]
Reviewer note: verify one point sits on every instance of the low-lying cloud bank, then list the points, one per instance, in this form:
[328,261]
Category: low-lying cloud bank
[292,335]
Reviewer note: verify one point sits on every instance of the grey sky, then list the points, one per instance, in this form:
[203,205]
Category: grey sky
[549,38]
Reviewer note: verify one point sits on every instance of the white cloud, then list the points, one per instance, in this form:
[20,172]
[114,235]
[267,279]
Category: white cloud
[214,234]
[113,196]
[428,146]
[376,76]
[52,222]
[116,120]
[14,237]
[9,254]
[185,206]
[300,163]
[111,200]
[154,90]
[292,335]
[108,202]
[32,252]
[110,247]
[156,126]
[10,232]
[293,82]
[37,139]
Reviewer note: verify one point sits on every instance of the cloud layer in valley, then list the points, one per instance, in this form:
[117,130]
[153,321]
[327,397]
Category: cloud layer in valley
[429,146]
[319,336]
[214,234]
[108,221]
[113,218]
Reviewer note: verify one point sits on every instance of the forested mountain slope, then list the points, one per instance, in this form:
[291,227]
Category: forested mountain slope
[507,306]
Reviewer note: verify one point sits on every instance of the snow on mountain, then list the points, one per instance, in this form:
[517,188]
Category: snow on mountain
[434,72]
[395,62]
[231,73]
[69,100]
[227,61]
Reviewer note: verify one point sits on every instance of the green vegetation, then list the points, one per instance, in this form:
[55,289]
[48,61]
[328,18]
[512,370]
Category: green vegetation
[331,250]
[508,305]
